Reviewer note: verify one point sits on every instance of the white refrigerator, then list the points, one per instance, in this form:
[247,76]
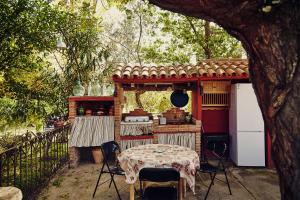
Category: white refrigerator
[246,127]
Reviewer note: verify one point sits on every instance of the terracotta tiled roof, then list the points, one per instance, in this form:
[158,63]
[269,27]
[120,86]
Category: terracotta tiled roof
[205,68]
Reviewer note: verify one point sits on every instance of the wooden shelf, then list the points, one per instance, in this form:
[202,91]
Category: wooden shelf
[91,98]
[136,137]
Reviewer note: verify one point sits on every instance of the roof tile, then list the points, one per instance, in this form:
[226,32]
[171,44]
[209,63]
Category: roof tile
[210,68]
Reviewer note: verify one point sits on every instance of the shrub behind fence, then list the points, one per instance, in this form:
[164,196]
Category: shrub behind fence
[30,165]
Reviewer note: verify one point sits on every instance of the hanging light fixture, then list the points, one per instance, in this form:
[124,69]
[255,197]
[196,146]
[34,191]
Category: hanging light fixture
[61,44]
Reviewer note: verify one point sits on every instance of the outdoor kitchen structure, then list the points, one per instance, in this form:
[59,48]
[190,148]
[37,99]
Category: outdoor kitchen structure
[210,84]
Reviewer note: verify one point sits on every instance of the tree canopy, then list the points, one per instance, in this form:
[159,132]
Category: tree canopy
[36,78]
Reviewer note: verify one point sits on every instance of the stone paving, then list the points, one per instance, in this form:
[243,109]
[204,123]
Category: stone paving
[246,183]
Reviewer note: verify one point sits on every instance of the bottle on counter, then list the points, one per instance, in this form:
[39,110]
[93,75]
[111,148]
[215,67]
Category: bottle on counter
[80,110]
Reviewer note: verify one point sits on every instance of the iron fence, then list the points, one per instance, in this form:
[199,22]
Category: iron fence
[30,165]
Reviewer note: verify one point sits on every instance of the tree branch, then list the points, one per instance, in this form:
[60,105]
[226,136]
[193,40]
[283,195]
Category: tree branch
[140,36]
[196,34]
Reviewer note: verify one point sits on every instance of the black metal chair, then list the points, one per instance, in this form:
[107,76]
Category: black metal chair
[159,175]
[217,149]
[109,151]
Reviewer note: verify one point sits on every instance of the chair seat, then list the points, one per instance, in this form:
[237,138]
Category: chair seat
[116,170]
[208,168]
[160,193]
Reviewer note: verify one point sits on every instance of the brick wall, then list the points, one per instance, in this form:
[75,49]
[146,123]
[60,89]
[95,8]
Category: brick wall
[118,112]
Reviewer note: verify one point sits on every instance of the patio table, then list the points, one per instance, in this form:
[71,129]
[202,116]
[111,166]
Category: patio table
[181,158]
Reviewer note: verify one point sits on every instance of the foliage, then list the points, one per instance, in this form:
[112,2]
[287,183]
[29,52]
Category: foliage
[176,37]
[25,29]
[57,182]
[161,103]
[26,34]
[84,53]
[36,79]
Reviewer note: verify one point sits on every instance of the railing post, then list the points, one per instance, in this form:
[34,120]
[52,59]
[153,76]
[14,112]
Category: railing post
[21,167]
[0,170]
[40,148]
[31,167]
[7,168]
[15,164]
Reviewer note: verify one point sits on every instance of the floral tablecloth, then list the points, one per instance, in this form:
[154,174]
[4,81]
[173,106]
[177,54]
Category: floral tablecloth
[181,158]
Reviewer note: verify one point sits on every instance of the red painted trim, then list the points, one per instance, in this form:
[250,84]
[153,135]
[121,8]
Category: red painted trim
[174,132]
[199,102]
[178,80]
[154,80]
[242,77]
[194,103]
[137,137]
[91,98]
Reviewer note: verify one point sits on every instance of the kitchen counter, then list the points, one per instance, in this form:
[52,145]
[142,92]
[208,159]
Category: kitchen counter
[176,128]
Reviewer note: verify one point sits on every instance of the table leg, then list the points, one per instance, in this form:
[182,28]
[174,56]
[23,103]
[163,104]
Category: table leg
[184,188]
[131,191]
[181,189]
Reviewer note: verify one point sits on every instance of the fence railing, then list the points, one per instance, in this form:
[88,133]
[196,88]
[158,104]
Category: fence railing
[30,165]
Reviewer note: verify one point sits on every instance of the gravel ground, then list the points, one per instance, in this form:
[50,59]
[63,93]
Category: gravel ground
[246,183]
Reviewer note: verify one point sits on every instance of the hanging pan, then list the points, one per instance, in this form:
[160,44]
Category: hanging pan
[179,98]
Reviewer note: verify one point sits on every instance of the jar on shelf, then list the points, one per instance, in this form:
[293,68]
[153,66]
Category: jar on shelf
[94,88]
[100,113]
[111,111]
[81,111]
[88,112]
[78,89]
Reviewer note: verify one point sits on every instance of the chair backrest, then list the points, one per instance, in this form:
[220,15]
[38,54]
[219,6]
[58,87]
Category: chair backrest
[216,144]
[219,148]
[159,174]
[109,150]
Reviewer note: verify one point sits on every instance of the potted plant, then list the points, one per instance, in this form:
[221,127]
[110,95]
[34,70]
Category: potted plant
[97,155]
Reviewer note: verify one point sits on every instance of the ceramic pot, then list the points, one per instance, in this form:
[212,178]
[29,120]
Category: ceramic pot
[88,113]
[97,155]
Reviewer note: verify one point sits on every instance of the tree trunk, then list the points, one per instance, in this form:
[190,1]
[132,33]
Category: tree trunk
[138,101]
[207,35]
[272,41]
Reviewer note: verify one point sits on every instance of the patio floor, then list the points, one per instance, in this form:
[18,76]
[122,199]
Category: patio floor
[246,183]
